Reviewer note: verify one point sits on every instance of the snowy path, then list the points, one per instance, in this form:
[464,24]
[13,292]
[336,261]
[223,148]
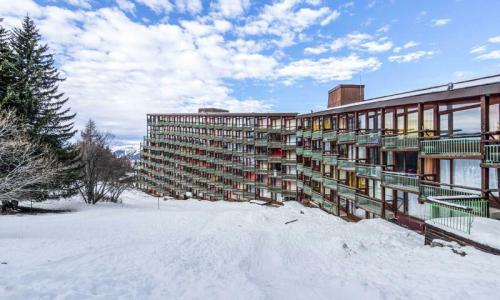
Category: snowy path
[204,250]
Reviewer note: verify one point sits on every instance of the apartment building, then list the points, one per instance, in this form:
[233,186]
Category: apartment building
[394,156]
[430,154]
[215,154]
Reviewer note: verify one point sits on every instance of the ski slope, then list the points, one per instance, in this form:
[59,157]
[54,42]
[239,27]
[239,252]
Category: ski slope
[220,250]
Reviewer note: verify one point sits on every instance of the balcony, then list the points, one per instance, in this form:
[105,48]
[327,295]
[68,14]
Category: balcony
[330,159]
[307,133]
[274,129]
[299,132]
[300,184]
[307,152]
[368,139]
[274,159]
[329,136]
[346,192]
[317,154]
[427,190]
[299,150]
[317,197]
[288,146]
[307,171]
[317,135]
[346,137]
[402,141]
[368,204]
[330,183]
[274,144]
[401,181]
[368,171]
[317,176]
[451,147]
[260,142]
[492,154]
[346,164]
[307,190]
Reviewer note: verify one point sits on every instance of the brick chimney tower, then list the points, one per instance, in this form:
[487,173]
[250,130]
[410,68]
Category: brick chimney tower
[344,94]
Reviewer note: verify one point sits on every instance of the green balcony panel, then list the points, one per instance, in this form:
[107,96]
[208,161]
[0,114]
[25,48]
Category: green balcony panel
[369,204]
[260,142]
[307,171]
[329,136]
[300,168]
[492,154]
[346,164]
[299,133]
[317,197]
[346,192]
[330,159]
[451,147]
[275,159]
[307,133]
[317,155]
[299,150]
[316,135]
[300,184]
[368,171]
[274,144]
[401,181]
[330,183]
[402,141]
[431,190]
[307,152]
[346,137]
[368,139]
[307,190]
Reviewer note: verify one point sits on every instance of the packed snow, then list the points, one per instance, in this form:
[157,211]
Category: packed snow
[221,250]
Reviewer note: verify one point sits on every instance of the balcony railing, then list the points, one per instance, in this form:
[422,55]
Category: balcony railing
[408,182]
[492,154]
[346,137]
[346,192]
[368,139]
[439,191]
[317,197]
[317,154]
[457,212]
[330,183]
[368,204]
[307,133]
[451,146]
[307,152]
[346,165]
[307,190]
[368,171]
[274,144]
[329,136]
[402,141]
[307,171]
[317,134]
[330,159]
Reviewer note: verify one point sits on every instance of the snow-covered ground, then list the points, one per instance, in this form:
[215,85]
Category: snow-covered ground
[220,250]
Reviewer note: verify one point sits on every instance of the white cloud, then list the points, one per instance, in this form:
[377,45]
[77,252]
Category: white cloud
[478,49]
[332,17]
[329,69]
[80,3]
[191,6]
[384,29]
[285,20]
[126,5]
[495,39]
[408,45]
[232,8]
[495,54]
[374,46]
[410,57]
[158,6]
[440,22]
[316,50]
[362,42]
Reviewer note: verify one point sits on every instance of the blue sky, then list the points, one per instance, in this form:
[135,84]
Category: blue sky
[124,58]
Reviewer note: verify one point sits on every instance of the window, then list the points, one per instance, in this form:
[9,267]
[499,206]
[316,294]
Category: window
[459,119]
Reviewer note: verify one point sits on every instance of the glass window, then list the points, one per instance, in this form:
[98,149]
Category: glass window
[494,117]
[412,122]
[429,121]
[467,172]
[389,120]
[444,171]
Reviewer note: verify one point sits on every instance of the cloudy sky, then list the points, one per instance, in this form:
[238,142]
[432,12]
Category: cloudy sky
[124,58]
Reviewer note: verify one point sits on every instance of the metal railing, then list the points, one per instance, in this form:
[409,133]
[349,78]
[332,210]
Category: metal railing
[456,212]
[346,191]
[330,183]
[329,136]
[346,137]
[345,164]
[330,159]
[492,154]
[451,146]
[368,204]
[401,181]
[368,139]
[400,141]
[368,171]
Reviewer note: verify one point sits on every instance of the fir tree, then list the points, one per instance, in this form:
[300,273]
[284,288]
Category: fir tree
[7,69]
[38,100]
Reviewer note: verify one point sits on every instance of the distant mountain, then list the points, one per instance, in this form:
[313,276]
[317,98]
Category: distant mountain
[131,151]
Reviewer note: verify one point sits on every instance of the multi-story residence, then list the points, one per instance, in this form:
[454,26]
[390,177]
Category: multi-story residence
[430,154]
[391,156]
[215,154]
